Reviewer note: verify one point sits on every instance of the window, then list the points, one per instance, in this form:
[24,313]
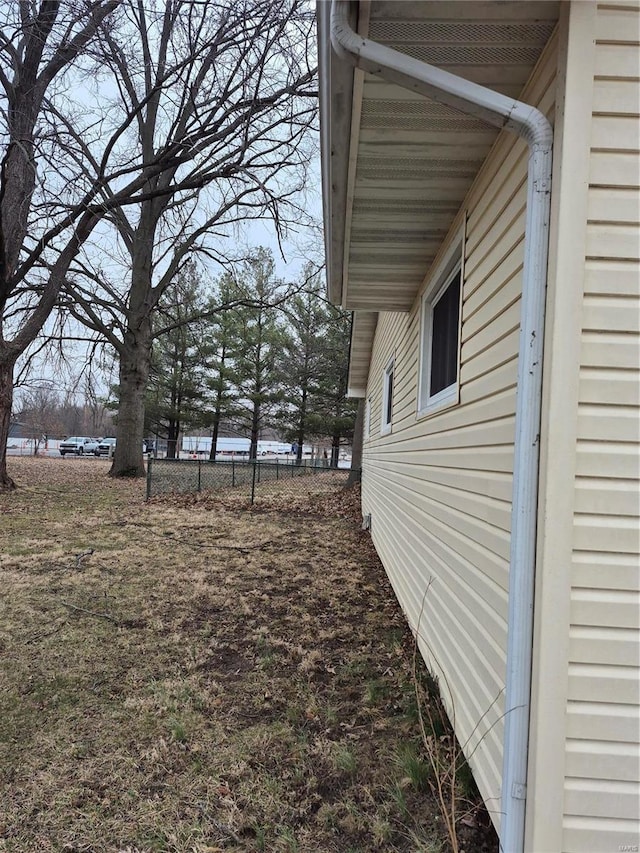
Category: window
[367,417]
[387,398]
[439,368]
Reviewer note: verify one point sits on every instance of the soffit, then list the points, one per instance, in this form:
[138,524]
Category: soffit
[362,333]
[413,160]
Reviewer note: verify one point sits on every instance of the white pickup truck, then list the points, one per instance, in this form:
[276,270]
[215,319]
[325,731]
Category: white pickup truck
[79,445]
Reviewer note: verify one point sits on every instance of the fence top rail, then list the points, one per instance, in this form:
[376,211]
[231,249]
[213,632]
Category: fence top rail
[256,475]
[315,463]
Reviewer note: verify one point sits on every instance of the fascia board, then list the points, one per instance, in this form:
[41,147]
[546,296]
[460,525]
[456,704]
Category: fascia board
[336,97]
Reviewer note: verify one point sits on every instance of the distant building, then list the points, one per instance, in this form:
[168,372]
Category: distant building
[202,444]
[19,430]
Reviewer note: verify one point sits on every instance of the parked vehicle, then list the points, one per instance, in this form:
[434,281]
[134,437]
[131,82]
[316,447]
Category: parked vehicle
[106,447]
[78,445]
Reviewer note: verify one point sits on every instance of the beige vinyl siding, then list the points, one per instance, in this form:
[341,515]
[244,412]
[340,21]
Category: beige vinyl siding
[602,793]
[439,487]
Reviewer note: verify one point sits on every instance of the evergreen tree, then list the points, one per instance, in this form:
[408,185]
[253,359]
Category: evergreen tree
[257,353]
[332,415]
[175,397]
[308,318]
[222,341]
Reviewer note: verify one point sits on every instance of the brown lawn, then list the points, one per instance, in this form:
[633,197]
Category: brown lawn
[196,676]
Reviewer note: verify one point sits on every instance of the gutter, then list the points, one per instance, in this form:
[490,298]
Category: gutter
[532,126]
[339,93]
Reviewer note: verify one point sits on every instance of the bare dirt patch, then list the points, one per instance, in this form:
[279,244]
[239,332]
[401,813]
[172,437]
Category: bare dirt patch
[193,676]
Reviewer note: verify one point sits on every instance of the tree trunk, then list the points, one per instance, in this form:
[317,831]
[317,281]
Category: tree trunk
[356,447]
[178,422]
[335,450]
[172,440]
[6,399]
[255,431]
[214,434]
[172,432]
[302,423]
[135,354]
[135,358]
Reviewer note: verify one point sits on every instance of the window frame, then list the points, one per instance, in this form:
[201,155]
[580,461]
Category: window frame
[452,265]
[388,382]
[367,417]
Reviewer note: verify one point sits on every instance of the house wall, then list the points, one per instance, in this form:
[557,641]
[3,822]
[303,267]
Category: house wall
[602,767]
[565,286]
[584,757]
[439,488]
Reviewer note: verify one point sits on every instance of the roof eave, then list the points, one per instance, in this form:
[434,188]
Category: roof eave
[363,329]
[336,95]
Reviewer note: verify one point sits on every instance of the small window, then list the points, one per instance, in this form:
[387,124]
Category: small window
[439,368]
[367,417]
[387,398]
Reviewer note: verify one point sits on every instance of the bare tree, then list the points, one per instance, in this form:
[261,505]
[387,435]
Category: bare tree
[38,44]
[96,408]
[227,87]
[41,410]
[68,166]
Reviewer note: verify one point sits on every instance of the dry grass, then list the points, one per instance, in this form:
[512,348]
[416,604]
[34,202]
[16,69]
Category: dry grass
[208,678]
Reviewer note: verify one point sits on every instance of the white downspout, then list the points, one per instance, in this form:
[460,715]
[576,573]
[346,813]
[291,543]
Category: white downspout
[530,124]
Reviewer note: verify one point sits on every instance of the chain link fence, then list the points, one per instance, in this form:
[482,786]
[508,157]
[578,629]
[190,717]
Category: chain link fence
[247,478]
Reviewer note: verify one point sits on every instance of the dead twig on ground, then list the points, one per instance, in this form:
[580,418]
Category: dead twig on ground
[241,549]
[226,830]
[80,557]
[43,636]
[90,612]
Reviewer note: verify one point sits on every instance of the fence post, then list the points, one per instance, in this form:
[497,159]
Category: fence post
[277,471]
[199,475]
[253,482]
[233,473]
[148,478]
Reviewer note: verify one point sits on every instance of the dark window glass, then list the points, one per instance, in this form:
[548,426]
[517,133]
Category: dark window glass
[389,397]
[444,342]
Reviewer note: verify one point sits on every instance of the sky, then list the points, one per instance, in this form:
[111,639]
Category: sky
[289,258]
[303,245]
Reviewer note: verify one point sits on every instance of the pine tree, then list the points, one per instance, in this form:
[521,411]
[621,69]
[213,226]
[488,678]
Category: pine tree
[308,317]
[332,414]
[175,397]
[257,355]
[222,339]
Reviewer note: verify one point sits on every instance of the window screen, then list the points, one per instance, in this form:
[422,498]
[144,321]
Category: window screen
[389,397]
[444,343]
